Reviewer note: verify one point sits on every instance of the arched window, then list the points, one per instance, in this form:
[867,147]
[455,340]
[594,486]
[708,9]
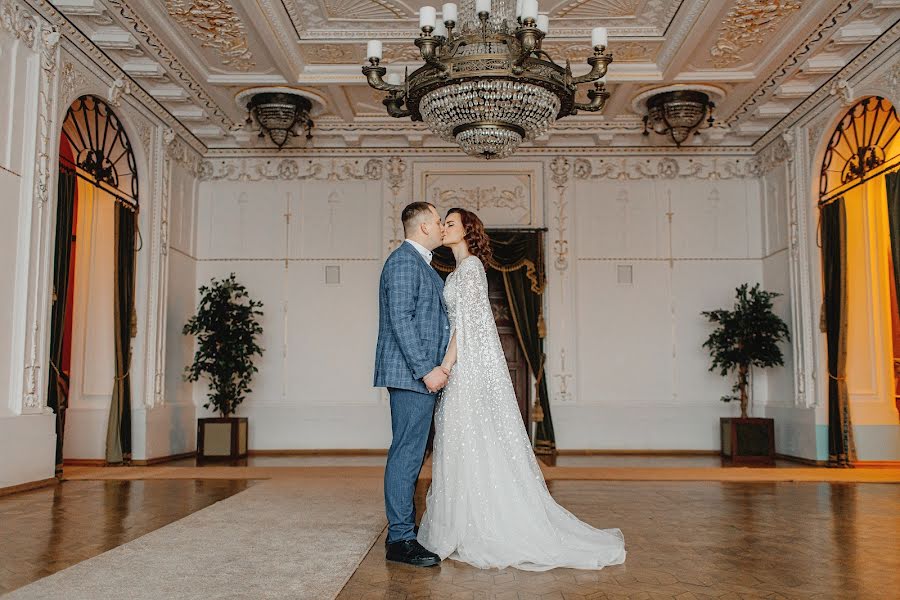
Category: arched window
[858,148]
[101,149]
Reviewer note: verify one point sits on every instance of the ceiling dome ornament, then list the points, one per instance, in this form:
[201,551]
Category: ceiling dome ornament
[280,113]
[678,113]
[486,83]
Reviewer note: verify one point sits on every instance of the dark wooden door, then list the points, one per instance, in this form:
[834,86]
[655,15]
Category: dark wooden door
[515,358]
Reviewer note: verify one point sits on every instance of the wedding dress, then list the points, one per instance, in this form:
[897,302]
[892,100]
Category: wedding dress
[488,504]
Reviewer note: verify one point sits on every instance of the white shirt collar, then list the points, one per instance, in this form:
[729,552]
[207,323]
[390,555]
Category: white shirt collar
[424,252]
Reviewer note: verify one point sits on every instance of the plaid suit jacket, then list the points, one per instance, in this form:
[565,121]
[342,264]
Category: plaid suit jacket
[413,328]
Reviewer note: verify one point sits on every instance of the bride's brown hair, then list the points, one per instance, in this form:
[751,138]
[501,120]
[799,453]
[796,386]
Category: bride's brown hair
[476,239]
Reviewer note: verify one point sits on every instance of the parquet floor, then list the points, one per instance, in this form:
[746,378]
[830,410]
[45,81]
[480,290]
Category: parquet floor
[690,540]
[46,530]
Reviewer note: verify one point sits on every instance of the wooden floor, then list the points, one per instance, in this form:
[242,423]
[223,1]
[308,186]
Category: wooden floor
[690,541]
[46,530]
[692,530]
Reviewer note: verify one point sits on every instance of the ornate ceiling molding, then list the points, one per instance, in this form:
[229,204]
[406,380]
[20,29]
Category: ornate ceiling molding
[811,43]
[855,70]
[74,37]
[747,24]
[217,26]
[172,64]
[723,152]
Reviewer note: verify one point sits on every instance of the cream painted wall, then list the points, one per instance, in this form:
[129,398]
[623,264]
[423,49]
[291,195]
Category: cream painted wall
[28,439]
[636,376]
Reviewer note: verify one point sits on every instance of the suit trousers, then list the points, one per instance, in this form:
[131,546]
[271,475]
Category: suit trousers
[411,414]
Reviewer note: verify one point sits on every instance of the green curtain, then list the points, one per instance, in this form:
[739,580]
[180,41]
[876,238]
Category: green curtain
[58,387]
[519,256]
[892,185]
[841,448]
[118,432]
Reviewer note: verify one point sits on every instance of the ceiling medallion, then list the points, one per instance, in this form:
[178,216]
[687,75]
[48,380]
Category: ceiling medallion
[280,115]
[487,84]
[678,113]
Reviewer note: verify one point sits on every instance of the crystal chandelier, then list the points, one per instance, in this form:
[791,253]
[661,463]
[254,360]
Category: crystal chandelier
[280,115]
[486,83]
[678,113]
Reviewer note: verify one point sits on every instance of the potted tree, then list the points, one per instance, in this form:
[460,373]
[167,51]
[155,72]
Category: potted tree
[746,336]
[225,326]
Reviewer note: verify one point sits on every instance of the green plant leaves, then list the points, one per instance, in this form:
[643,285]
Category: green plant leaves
[226,328]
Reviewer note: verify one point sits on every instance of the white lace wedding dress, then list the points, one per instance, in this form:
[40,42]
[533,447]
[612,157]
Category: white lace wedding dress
[488,504]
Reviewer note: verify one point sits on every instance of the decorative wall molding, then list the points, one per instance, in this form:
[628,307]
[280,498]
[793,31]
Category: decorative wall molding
[502,197]
[119,87]
[396,170]
[773,156]
[181,153]
[559,169]
[72,80]
[666,168]
[287,169]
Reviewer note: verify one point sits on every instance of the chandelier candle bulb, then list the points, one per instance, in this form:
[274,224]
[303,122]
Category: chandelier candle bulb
[440,30]
[427,16]
[373,49]
[543,23]
[483,6]
[529,10]
[599,37]
[393,78]
[519,9]
[449,12]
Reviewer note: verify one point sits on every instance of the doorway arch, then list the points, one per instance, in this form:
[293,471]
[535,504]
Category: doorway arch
[93,278]
[859,237]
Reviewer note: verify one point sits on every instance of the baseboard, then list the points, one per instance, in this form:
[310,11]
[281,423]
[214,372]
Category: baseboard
[31,485]
[162,459]
[877,464]
[320,452]
[621,452]
[84,462]
[799,459]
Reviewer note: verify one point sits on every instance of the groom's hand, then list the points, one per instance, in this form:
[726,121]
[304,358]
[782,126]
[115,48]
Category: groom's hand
[435,380]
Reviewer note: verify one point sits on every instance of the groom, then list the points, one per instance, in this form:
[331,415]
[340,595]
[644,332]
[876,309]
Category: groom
[413,333]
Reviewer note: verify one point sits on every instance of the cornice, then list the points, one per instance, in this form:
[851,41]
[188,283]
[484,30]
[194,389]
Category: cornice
[453,151]
[80,42]
[768,87]
[853,71]
[139,27]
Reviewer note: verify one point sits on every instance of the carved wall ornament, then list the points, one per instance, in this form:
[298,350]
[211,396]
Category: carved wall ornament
[478,198]
[666,168]
[749,23]
[288,169]
[559,174]
[19,21]
[71,79]
[842,90]
[331,54]
[217,26]
[396,169]
[116,89]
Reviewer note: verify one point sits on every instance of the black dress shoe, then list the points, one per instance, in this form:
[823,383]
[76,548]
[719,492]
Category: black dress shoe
[411,552]
[415,532]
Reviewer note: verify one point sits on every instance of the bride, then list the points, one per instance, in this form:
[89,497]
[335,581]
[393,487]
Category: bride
[488,504]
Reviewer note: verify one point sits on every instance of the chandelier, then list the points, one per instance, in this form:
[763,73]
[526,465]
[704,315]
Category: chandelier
[678,113]
[486,83]
[280,115]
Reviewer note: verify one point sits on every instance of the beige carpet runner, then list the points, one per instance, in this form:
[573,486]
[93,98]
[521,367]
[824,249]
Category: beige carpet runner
[282,538]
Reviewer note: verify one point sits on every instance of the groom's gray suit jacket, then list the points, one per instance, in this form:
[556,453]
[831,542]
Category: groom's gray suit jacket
[413,329]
